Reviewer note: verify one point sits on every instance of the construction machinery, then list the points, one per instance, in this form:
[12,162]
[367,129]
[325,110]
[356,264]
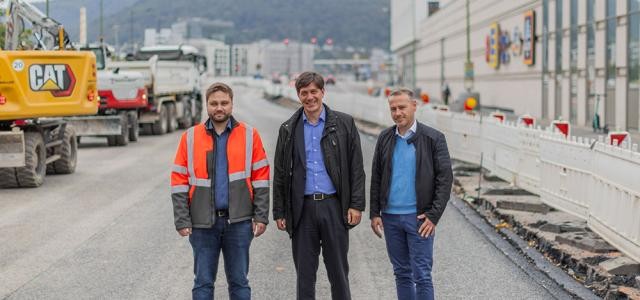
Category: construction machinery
[123,95]
[172,77]
[38,80]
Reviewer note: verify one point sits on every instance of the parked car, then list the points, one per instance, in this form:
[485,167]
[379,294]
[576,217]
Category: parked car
[330,80]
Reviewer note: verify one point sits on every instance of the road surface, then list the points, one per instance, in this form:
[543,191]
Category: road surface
[106,232]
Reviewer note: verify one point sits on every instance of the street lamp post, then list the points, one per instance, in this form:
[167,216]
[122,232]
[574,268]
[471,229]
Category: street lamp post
[101,22]
[468,65]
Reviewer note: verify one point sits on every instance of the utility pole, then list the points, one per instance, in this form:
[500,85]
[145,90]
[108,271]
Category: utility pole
[468,33]
[47,8]
[131,31]
[468,65]
[101,22]
[300,68]
[115,33]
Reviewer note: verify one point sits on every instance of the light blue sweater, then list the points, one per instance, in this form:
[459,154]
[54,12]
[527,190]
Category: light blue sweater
[402,194]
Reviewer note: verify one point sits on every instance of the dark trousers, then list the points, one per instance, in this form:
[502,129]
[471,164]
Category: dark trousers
[234,241]
[321,227]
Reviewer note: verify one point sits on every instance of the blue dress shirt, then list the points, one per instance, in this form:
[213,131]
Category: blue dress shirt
[318,180]
[220,184]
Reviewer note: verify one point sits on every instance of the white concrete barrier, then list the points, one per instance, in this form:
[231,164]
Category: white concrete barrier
[586,178]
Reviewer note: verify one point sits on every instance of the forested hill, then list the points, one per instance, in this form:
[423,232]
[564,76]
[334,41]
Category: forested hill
[358,23]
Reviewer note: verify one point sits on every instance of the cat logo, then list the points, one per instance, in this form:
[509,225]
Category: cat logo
[57,79]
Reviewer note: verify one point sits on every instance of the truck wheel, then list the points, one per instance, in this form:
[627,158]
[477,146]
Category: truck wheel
[172,120]
[134,131]
[123,138]
[160,126]
[51,170]
[187,118]
[32,174]
[68,153]
[147,129]
[8,178]
[198,116]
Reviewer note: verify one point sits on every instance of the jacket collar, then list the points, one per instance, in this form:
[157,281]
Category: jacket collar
[231,124]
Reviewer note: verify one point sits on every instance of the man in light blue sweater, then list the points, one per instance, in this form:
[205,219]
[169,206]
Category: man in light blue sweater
[410,186]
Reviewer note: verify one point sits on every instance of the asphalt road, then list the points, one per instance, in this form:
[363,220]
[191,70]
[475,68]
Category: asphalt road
[106,232]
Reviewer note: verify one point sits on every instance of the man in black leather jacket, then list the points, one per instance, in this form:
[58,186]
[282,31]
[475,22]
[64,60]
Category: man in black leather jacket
[318,187]
[411,181]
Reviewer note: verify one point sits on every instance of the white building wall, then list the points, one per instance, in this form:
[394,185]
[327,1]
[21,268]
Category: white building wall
[216,53]
[447,28]
[239,60]
[150,37]
[515,85]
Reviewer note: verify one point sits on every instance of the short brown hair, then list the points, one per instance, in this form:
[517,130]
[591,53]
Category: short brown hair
[219,87]
[308,78]
[402,91]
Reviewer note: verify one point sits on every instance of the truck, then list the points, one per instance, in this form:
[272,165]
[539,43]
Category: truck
[38,81]
[172,77]
[122,97]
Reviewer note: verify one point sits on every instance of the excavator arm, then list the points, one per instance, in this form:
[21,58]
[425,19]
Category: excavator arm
[47,32]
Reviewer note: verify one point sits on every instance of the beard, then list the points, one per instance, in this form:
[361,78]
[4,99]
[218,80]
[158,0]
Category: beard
[220,118]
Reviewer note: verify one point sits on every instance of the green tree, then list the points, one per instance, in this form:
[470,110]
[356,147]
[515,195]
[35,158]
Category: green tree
[2,32]
[2,29]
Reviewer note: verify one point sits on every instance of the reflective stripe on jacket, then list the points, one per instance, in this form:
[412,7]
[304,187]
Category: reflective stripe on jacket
[194,168]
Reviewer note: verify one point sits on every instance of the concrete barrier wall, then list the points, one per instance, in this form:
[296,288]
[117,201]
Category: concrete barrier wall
[586,178]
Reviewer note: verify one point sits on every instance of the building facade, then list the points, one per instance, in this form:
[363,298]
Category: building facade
[269,58]
[406,17]
[569,59]
[240,60]
[217,54]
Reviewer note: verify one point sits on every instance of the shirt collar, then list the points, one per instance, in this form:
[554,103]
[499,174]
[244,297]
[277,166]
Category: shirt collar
[409,132]
[323,114]
[209,124]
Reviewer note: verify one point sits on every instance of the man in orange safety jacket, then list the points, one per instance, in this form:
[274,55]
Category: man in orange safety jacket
[220,194]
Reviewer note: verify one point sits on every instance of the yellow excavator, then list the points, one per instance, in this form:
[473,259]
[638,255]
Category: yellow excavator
[42,78]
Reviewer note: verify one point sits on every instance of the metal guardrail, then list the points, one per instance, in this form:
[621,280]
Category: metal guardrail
[587,178]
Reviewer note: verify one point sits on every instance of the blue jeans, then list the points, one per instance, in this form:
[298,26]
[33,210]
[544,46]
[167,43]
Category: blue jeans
[234,241]
[411,256]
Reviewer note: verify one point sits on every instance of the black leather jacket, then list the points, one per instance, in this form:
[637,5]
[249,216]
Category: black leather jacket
[433,171]
[342,156]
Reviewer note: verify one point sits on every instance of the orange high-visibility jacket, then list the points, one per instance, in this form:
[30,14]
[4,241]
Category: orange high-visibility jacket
[194,167]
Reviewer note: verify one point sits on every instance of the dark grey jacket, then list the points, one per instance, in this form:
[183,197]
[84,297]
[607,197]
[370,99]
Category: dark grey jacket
[342,156]
[433,171]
